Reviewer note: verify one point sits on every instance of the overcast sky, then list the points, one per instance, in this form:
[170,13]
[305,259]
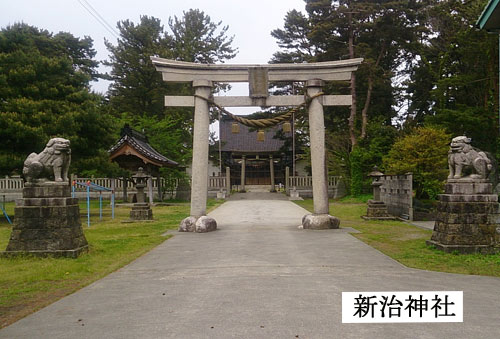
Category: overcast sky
[249,21]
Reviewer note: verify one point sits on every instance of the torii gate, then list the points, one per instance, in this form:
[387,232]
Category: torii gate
[203,77]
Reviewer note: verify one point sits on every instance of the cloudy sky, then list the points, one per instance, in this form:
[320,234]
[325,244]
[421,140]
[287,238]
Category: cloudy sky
[249,21]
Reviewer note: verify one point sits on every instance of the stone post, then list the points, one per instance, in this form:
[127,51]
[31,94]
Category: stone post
[287,176]
[271,168]
[197,221]
[320,219]
[113,186]
[318,161]
[150,189]
[158,182]
[228,181]
[125,183]
[199,181]
[243,165]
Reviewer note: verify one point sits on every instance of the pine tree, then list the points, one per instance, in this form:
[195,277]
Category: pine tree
[44,92]
[137,94]
[454,82]
[197,39]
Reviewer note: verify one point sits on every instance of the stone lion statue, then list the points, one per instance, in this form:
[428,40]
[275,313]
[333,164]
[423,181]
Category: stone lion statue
[53,161]
[463,157]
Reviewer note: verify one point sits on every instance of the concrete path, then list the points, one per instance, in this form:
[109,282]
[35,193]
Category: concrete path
[258,276]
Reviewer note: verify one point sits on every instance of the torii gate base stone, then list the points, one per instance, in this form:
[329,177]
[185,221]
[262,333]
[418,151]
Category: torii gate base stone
[203,76]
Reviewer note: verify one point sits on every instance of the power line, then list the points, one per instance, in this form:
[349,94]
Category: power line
[99,15]
[92,11]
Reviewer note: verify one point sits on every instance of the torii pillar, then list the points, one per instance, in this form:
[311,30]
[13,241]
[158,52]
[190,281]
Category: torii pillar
[320,219]
[202,77]
[198,221]
[199,182]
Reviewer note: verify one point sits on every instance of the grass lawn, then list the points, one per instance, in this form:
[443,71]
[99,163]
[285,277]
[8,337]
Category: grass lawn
[406,243]
[29,283]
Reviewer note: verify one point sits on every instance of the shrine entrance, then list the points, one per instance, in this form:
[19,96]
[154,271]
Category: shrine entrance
[257,172]
[203,76]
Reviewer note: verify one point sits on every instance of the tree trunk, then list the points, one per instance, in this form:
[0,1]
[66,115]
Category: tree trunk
[352,116]
[364,112]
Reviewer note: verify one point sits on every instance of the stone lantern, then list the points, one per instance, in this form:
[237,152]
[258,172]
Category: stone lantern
[141,209]
[140,179]
[376,183]
[377,209]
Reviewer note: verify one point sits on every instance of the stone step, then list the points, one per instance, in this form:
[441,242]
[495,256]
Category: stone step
[258,188]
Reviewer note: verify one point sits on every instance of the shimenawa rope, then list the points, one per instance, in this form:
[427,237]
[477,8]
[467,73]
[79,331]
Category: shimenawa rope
[262,123]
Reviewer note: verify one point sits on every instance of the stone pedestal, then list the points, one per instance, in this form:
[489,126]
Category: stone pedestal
[294,195]
[140,212]
[320,222]
[47,222]
[198,224]
[377,210]
[467,220]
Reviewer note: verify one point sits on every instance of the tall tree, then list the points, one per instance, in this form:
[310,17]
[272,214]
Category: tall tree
[197,39]
[137,87]
[381,33]
[454,82]
[137,94]
[44,92]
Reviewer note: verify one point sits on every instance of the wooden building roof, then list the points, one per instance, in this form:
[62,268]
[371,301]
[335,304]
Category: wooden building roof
[135,144]
[246,140]
[490,17]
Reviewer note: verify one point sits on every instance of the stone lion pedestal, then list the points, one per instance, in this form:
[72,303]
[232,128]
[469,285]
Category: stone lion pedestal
[47,222]
[468,214]
[47,218]
[467,218]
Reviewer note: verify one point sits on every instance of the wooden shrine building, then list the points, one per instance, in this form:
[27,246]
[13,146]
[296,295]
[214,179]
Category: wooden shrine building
[133,151]
[259,157]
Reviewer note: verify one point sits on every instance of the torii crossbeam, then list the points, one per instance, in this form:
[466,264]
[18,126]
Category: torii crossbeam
[203,76]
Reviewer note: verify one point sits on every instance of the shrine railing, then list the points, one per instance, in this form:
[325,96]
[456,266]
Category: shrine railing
[306,181]
[8,185]
[15,185]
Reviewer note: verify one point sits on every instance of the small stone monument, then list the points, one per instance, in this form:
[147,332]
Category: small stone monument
[377,209]
[294,194]
[141,211]
[468,212]
[47,219]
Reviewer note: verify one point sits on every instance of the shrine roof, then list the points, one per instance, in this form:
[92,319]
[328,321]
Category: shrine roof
[490,17]
[139,142]
[246,139]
